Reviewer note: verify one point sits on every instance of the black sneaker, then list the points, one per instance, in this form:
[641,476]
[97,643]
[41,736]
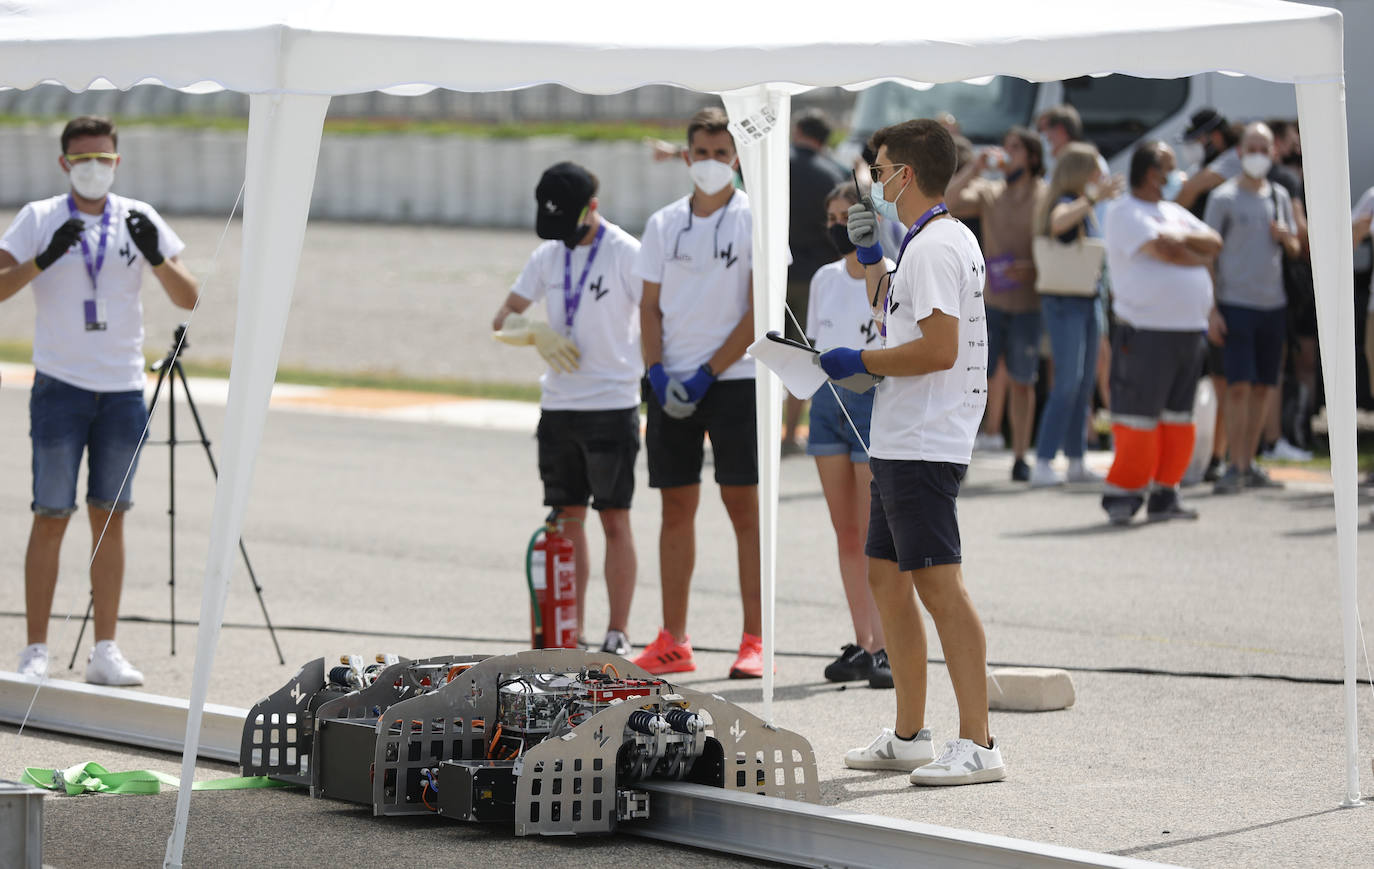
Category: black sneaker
[852,665]
[1257,478]
[1121,508]
[1230,482]
[1213,472]
[1020,471]
[881,674]
[1164,505]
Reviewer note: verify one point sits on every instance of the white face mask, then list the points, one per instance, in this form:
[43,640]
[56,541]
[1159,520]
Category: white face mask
[92,179]
[1255,165]
[711,176]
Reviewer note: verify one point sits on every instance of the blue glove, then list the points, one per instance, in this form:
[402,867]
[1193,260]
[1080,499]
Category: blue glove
[698,383]
[658,379]
[843,362]
[863,232]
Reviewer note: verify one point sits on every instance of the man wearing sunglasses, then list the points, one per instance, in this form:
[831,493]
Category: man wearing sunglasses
[933,362]
[84,252]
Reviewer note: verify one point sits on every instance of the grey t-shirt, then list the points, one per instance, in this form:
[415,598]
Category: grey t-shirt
[1250,266]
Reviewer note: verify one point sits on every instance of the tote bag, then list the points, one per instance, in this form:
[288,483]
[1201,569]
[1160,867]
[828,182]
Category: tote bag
[1068,269]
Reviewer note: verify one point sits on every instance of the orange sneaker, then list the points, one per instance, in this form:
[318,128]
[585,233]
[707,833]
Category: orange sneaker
[666,655]
[749,664]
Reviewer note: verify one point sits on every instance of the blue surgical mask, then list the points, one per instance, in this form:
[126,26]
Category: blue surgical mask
[881,205]
[1173,183]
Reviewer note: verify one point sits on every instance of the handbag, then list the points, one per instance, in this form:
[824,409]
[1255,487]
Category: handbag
[1068,268]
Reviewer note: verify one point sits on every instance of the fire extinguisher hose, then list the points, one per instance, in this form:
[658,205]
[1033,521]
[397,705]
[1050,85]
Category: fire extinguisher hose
[529,577]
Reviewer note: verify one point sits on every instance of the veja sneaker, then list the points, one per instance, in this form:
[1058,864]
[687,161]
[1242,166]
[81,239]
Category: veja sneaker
[33,661]
[616,643]
[666,655]
[107,666]
[963,762]
[749,663]
[889,752]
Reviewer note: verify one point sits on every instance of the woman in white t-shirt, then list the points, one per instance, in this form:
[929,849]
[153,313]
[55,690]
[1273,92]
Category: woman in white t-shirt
[839,314]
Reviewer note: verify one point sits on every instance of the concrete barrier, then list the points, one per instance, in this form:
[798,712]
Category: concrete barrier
[391,178]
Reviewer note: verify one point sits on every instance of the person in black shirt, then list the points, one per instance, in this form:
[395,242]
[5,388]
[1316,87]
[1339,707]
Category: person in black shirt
[813,175]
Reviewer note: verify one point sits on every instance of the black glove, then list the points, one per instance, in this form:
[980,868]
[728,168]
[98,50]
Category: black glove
[144,233]
[67,235]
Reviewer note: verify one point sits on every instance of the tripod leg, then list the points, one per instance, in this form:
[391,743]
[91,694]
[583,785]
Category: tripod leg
[172,509]
[214,469]
[90,607]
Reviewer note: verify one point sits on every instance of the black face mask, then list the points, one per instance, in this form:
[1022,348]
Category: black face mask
[839,237]
[1293,159]
[579,232]
[1209,152]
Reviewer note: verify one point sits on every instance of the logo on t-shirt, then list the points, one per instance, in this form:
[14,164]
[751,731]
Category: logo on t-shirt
[597,289]
[869,331]
[127,252]
[728,254]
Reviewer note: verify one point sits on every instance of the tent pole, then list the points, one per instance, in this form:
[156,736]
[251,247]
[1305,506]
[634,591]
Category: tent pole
[283,145]
[1321,114]
[760,122]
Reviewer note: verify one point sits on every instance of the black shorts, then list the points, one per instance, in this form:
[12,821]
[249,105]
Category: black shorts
[1154,375]
[675,446]
[588,454]
[913,519]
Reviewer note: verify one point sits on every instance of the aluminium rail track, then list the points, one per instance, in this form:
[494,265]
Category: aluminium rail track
[703,817]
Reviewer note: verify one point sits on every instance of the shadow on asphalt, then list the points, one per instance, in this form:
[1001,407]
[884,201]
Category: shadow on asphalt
[1076,530]
[838,791]
[1324,531]
[750,692]
[1174,843]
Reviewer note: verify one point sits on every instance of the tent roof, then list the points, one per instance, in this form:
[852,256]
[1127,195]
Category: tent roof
[345,46]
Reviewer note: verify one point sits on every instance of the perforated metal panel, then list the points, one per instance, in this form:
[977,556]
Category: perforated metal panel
[278,734]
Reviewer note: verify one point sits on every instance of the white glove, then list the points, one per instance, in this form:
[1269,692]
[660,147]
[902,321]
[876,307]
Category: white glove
[559,352]
[675,403]
[863,224]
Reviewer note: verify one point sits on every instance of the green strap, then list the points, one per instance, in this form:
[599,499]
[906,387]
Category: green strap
[92,778]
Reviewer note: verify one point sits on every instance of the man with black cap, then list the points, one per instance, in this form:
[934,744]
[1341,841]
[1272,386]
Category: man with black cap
[589,407]
[1220,158]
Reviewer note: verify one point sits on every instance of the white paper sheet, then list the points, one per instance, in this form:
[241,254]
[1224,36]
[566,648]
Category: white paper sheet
[798,368]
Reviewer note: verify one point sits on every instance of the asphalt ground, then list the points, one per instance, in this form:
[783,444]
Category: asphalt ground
[375,534]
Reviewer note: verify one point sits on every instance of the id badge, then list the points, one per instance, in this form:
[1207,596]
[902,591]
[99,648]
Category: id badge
[95,315]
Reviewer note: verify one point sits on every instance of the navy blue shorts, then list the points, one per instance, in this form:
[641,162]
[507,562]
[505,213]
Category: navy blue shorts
[1254,344]
[913,519]
[64,422]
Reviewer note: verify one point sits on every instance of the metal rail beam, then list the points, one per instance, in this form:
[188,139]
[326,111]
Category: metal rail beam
[702,817]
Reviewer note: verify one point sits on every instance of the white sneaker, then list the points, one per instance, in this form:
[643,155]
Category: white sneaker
[33,661]
[616,643]
[963,762]
[1284,451]
[984,441]
[1081,473]
[889,752]
[107,666]
[1043,475]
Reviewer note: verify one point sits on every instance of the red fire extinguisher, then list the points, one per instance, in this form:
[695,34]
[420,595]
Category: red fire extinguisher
[551,573]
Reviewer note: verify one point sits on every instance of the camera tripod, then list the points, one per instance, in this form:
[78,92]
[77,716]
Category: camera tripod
[169,371]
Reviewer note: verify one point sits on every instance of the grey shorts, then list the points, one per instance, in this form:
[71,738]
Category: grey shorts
[1154,375]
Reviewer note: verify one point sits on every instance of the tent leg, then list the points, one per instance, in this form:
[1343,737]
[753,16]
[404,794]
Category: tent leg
[283,146]
[1321,107]
[760,122]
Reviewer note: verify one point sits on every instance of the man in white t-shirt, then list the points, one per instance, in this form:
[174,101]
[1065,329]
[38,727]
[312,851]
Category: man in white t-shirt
[589,408]
[934,363]
[84,252]
[697,318]
[1159,255]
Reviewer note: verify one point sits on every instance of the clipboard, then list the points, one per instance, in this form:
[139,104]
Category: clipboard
[798,365]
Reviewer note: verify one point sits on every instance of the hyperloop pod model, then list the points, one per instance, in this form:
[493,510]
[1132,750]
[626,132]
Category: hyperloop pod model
[553,741]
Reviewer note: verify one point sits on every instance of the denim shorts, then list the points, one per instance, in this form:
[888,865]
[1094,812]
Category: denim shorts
[1017,337]
[831,434]
[66,420]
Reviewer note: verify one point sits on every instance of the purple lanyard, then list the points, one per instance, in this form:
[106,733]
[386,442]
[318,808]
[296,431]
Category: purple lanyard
[933,212]
[572,298]
[93,269]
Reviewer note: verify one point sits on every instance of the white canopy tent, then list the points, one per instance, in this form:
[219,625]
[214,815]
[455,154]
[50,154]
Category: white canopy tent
[292,55]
